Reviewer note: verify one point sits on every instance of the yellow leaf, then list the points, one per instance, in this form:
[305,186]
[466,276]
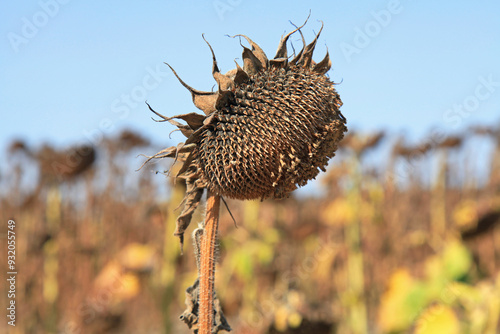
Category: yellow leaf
[294,320]
[281,319]
[456,260]
[399,283]
[401,302]
[438,319]
[114,285]
[338,212]
[137,257]
[452,264]
[465,214]
[130,286]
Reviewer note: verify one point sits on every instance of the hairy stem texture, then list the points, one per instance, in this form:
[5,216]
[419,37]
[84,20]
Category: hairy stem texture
[207,264]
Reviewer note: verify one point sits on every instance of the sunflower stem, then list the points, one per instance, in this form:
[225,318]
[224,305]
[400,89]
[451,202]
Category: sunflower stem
[207,264]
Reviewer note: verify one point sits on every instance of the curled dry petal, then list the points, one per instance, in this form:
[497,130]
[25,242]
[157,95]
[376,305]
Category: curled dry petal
[323,66]
[240,76]
[224,82]
[282,52]
[192,199]
[251,64]
[191,313]
[204,101]
[306,58]
[256,51]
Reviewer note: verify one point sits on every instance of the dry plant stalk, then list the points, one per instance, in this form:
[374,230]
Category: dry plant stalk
[207,263]
[269,128]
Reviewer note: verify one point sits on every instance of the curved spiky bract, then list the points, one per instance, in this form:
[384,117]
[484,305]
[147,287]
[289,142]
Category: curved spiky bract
[270,126]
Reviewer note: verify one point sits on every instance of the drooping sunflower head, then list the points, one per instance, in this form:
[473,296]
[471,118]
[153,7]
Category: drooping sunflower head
[269,128]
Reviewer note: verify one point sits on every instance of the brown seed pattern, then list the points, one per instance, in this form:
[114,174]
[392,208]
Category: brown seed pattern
[282,125]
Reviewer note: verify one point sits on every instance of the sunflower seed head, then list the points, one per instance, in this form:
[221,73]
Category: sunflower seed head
[279,129]
[270,127]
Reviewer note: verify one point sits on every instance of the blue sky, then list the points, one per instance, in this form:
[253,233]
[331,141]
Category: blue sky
[72,71]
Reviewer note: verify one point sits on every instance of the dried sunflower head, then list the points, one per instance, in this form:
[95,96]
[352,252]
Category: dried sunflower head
[269,128]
